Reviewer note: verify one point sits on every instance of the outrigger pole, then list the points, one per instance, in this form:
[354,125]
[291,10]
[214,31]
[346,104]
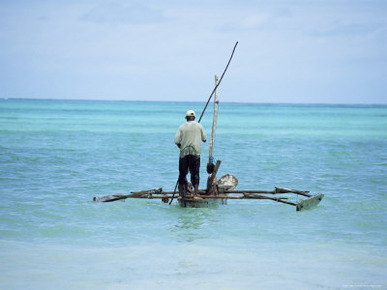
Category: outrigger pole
[217,85]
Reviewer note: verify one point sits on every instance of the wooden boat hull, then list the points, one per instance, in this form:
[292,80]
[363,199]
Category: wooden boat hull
[203,203]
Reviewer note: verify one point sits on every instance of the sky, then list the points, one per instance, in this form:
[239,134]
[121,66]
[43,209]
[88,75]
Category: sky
[294,51]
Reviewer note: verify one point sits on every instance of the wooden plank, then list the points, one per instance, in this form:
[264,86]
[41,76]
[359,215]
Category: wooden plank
[109,198]
[277,199]
[249,191]
[119,196]
[287,190]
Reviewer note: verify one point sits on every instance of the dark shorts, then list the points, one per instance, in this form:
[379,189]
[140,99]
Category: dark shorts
[191,163]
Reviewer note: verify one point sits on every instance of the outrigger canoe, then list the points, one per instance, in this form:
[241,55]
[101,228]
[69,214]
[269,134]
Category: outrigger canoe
[309,202]
[279,194]
[226,184]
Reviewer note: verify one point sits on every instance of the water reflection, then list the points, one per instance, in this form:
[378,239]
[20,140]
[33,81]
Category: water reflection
[190,224]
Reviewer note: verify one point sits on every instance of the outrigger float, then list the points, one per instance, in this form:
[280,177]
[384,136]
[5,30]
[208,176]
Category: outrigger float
[225,185]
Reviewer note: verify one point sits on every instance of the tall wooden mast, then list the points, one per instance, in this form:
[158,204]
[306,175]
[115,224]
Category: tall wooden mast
[211,158]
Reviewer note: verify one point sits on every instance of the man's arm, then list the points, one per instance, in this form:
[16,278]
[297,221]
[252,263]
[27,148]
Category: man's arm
[178,138]
[204,136]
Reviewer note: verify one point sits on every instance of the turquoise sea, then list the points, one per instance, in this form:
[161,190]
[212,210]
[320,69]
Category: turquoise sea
[55,156]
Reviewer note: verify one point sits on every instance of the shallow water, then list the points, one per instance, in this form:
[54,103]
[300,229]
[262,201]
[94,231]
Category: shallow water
[55,156]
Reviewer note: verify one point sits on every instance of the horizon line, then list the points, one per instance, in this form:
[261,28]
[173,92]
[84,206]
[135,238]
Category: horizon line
[170,101]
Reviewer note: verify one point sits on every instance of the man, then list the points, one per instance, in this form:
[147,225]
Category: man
[189,139]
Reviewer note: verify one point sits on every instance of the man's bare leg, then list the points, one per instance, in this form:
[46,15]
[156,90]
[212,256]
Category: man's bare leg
[196,189]
[181,191]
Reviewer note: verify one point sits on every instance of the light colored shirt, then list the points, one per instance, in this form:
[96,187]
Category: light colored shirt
[190,136]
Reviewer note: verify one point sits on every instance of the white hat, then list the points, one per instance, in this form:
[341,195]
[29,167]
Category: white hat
[190,113]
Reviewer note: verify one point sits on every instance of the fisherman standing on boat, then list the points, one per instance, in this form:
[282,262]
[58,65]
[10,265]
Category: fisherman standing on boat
[189,139]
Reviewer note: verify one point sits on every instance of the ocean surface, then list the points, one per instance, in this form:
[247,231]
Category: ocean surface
[55,156]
